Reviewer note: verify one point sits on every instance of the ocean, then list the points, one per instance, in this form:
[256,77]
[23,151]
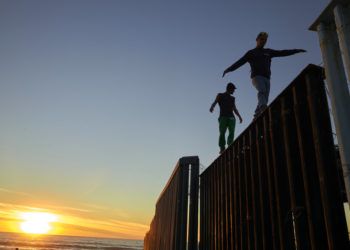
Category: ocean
[25,242]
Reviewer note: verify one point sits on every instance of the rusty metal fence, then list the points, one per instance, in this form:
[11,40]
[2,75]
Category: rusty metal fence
[277,186]
[175,223]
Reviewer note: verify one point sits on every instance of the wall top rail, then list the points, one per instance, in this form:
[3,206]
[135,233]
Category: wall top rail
[183,161]
[310,69]
[327,15]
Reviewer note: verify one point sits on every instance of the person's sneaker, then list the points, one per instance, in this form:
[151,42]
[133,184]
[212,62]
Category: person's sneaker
[262,109]
[257,114]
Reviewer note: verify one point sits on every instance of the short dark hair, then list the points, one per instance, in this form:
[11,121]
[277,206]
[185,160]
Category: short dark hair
[230,86]
[262,34]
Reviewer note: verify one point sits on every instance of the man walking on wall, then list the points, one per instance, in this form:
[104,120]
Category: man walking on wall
[227,119]
[259,59]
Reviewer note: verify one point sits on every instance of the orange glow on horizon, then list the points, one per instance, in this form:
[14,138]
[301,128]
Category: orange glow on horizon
[71,221]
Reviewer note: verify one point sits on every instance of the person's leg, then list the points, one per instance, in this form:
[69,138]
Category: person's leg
[266,94]
[267,89]
[262,84]
[222,130]
[231,129]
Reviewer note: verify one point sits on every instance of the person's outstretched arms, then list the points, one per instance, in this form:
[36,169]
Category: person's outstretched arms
[214,104]
[236,65]
[285,52]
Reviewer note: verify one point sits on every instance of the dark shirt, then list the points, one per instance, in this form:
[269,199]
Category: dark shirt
[260,60]
[226,104]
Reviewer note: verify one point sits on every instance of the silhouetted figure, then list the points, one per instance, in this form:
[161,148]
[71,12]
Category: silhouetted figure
[259,59]
[227,119]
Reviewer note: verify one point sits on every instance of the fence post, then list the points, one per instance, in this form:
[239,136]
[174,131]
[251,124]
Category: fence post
[193,213]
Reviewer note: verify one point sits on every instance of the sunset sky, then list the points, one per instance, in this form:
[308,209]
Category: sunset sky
[99,99]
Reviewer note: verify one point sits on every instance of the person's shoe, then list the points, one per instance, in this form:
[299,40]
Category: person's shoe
[258,113]
[262,109]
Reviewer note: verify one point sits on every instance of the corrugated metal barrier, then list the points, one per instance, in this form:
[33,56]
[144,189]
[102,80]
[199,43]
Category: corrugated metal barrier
[175,215]
[277,187]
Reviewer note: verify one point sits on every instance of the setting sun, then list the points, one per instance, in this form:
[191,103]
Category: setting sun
[37,222]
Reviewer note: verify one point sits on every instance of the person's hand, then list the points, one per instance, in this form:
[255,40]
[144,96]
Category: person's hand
[211,110]
[240,119]
[302,50]
[223,74]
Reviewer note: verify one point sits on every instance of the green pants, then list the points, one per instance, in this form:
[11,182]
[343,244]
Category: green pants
[224,124]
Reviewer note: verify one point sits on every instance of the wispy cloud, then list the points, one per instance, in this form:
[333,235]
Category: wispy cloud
[98,208]
[94,206]
[116,228]
[5,190]
[15,207]
[67,208]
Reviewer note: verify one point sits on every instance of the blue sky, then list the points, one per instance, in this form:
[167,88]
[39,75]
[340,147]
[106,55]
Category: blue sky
[99,99]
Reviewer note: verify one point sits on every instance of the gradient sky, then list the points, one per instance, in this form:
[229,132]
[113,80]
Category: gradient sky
[99,99]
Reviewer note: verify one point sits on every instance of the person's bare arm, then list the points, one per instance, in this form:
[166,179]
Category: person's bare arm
[214,104]
[237,113]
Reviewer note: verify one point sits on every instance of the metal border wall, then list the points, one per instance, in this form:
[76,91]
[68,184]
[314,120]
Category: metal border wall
[174,214]
[277,186]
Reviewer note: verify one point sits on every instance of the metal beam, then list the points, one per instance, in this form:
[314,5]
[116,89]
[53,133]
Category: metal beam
[339,93]
[342,21]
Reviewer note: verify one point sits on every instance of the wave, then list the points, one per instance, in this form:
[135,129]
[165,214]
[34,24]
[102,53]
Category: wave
[23,242]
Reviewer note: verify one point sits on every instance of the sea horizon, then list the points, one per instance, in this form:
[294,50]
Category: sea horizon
[21,241]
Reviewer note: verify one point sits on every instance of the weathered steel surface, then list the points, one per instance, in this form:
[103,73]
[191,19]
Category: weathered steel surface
[277,186]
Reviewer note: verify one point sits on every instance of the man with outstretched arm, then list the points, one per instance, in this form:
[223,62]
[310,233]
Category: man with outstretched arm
[259,59]
[227,119]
